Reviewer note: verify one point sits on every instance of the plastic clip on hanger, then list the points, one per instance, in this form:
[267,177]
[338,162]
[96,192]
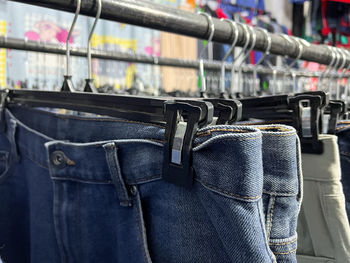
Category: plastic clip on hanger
[306,120]
[67,83]
[201,63]
[89,82]
[177,163]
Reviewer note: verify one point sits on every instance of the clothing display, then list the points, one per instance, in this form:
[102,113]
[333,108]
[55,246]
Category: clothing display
[208,154]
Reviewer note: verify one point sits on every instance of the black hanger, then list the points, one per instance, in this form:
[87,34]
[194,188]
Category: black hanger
[267,107]
[306,120]
[334,110]
[173,113]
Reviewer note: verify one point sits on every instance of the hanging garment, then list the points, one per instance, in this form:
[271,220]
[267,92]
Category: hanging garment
[90,188]
[323,227]
[282,189]
[343,133]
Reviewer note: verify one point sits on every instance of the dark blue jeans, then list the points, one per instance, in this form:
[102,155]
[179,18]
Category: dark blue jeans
[89,189]
[343,133]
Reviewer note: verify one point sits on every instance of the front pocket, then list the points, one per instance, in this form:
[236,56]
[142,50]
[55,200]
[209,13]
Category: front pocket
[337,224]
[312,259]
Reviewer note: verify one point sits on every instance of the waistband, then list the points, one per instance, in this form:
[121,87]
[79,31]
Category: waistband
[226,159]
[324,167]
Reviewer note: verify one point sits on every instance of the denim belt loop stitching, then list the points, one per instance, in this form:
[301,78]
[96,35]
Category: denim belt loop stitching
[114,168]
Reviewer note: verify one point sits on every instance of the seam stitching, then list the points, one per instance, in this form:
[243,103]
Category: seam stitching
[222,129]
[282,244]
[228,193]
[261,123]
[286,253]
[271,215]
[286,194]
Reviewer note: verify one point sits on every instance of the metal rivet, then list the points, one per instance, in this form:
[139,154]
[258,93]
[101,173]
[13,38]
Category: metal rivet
[133,190]
[58,158]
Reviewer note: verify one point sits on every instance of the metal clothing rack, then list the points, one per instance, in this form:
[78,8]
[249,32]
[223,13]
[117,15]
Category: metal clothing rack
[164,18]
[35,46]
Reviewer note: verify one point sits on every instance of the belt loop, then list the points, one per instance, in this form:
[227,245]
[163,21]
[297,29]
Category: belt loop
[12,139]
[115,171]
[3,102]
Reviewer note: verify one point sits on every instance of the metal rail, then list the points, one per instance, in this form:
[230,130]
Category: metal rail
[160,17]
[20,44]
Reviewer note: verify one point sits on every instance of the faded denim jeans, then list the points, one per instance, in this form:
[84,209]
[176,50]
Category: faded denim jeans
[282,191]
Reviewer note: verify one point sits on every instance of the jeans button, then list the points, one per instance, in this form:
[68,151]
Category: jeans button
[58,159]
[133,190]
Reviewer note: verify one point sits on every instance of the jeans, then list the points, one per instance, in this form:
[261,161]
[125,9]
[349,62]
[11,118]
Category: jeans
[88,189]
[282,191]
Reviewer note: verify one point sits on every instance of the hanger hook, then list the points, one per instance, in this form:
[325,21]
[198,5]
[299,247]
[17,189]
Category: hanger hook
[343,59]
[252,46]
[77,11]
[201,63]
[212,31]
[338,59]
[300,50]
[247,40]
[325,72]
[98,14]
[268,47]
[346,91]
[235,33]
[89,85]
[255,67]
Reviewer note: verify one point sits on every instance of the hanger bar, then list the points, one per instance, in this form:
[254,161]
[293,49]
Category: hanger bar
[164,18]
[35,46]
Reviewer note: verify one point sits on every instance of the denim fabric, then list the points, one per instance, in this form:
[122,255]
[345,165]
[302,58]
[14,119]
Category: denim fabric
[282,189]
[14,232]
[90,190]
[343,133]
